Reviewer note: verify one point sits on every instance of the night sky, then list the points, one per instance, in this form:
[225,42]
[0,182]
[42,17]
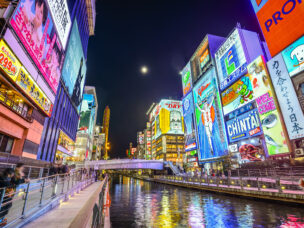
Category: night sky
[162,35]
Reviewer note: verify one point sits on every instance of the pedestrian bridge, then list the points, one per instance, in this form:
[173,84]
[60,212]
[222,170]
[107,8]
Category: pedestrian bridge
[125,164]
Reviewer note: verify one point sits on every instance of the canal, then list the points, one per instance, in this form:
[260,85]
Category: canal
[137,203]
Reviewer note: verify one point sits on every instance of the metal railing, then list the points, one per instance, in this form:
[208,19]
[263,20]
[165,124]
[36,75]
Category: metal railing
[30,197]
[270,172]
[274,184]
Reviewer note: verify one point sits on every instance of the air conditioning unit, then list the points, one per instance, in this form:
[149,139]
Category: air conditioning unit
[299,152]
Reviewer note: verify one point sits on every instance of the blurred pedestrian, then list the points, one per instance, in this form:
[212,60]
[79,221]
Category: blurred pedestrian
[7,186]
[18,177]
[53,170]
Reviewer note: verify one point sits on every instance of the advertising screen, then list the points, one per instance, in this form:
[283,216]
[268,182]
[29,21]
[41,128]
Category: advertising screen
[210,125]
[141,138]
[230,60]
[186,79]
[14,69]
[237,95]
[244,126]
[188,110]
[294,57]
[74,68]
[34,26]
[269,115]
[62,20]
[281,22]
[87,114]
[287,98]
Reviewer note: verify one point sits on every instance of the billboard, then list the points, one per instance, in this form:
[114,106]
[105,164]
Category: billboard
[186,79]
[230,60]
[62,20]
[294,57]
[14,69]
[210,125]
[244,126]
[269,115]
[87,114]
[141,138]
[188,111]
[167,118]
[287,98]
[281,22]
[237,95]
[34,26]
[74,68]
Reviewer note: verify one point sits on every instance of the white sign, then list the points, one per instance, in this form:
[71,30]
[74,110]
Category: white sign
[233,148]
[230,60]
[287,97]
[62,20]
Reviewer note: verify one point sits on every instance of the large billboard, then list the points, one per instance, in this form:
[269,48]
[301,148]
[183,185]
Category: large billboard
[74,68]
[34,26]
[87,114]
[294,57]
[208,116]
[287,98]
[168,118]
[62,20]
[281,22]
[18,74]
[186,79]
[190,134]
[230,60]
[268,112]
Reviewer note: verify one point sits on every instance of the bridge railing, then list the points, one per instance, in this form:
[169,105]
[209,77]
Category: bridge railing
[276,184]
[20,203]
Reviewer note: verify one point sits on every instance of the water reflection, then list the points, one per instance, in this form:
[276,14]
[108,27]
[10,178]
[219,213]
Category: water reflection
[137,203]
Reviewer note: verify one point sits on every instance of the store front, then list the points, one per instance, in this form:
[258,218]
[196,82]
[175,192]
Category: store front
[65,149]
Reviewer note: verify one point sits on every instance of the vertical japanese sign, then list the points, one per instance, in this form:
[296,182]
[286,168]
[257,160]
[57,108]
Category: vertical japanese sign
[290,106]
[34,26]
[269,115]
[186,79]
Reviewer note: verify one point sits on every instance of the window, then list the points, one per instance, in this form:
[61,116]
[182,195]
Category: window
[6,143]
[30,147]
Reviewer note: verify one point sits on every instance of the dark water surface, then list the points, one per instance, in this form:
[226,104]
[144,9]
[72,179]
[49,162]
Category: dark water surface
[137,203]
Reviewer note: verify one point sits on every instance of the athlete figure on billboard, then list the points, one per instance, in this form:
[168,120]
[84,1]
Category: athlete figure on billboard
[207,111]
[76,96]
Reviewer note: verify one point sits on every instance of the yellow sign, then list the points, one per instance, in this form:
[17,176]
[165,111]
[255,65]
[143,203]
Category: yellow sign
[8,61]
[29,86]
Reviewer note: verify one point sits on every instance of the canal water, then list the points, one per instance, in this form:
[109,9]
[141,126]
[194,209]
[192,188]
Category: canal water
[137,203]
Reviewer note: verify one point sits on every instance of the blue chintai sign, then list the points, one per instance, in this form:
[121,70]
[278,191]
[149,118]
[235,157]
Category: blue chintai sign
[244,126]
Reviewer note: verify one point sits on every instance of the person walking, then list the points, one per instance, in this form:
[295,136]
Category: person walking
[18,177]
[6,188]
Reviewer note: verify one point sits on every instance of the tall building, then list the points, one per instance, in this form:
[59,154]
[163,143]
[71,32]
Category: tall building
[105,130]
[86,127]
[167,131]
[98,143]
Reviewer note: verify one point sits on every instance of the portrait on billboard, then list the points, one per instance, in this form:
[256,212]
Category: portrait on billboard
[74,68]
[34,26]
[208,118]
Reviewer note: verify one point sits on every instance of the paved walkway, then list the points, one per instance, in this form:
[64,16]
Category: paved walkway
[62,216]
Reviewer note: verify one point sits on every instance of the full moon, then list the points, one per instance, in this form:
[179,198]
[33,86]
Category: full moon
[144,70]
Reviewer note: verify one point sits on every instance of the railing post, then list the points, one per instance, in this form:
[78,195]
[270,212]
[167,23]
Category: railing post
[63,184]
[29,173]
[42,190]
[55,184]
[278,184]
[241,183]
[25,200]
[217,181]
[258,183]
[228,181]
[2,197]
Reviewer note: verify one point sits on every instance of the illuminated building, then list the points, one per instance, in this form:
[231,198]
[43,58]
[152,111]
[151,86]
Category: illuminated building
[98,143]
[140,145]
[105,130]
[167,131]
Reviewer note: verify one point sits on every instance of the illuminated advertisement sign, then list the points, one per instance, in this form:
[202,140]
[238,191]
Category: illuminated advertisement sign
[244,126]
[168,119]
[62,20]
[30,87]
[249,150]
[281,22]
[133,151]
[186,79]
[294,57]
[208,116]
[230,60]
[87,114]
[34,26]
[74,68]
[141,138]
[188,110]
[269,115]
[14,69]
[237,95]
[290,106]
[8,61]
